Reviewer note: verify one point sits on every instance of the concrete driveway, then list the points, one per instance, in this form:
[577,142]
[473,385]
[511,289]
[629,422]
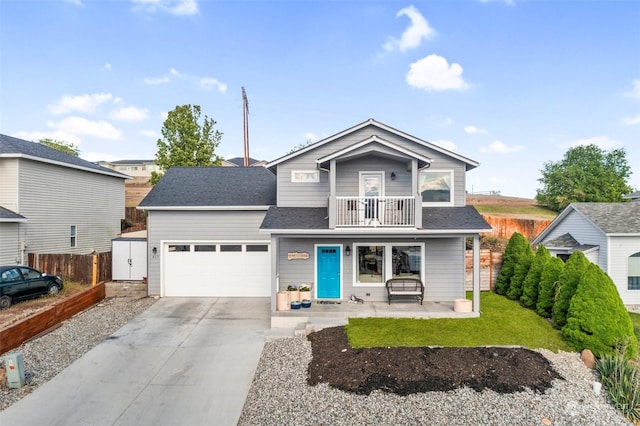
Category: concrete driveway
[184,361]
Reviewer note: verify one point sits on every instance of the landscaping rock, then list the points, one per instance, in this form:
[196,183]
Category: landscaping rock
[587,357]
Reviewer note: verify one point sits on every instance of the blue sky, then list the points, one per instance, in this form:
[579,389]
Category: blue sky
[510,84]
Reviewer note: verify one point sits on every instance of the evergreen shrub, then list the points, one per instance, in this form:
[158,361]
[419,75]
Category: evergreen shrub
[597,319]
[549,286]
[567,285]
[512,253]
[520,271]
[530,287]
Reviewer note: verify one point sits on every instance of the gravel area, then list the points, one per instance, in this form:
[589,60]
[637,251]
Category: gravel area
[280,395]
[48,355]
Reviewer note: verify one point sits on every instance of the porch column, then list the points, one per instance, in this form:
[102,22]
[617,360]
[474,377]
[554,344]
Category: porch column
[275,274]
[332,195]
[415,174]
[476,274]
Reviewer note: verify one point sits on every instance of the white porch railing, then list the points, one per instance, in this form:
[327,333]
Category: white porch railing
[375,211]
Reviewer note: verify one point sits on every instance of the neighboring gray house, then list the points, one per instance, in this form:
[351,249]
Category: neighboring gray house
[51,202]
[634,196]
[343,214]
[609,236]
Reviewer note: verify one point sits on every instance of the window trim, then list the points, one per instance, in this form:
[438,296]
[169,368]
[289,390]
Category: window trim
[388,260]
[305,176]
[634,278]
[451,188]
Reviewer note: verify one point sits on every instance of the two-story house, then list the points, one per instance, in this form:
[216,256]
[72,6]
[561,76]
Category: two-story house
[343,214]
[52,202]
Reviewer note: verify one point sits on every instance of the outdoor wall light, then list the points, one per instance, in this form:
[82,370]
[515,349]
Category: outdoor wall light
[393,175]
[347,251]
[154,250]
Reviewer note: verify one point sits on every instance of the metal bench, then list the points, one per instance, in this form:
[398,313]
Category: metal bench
[405,287]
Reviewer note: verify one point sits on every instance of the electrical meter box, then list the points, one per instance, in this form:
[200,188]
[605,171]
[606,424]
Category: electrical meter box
[14,365]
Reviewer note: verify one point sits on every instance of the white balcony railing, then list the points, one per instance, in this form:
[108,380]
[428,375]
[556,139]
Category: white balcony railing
[375,211]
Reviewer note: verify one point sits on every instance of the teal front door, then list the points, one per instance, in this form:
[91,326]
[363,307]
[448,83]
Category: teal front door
[328,272]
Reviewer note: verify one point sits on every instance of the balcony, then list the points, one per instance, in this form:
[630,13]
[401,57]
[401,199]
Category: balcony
[375,211]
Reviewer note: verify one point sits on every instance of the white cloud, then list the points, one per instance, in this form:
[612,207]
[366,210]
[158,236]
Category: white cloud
[433,73]
[99,156]
[75,2]
[448,145]
[211,83]
[106,67]
[158,80]
[130,114]
[501,147]
[173,7]
[310,137]
[84,103]
[176,73]
[58,135]
[411,38]
[604,142]
[81,126]
[632,121]
[635,91]
[473,130]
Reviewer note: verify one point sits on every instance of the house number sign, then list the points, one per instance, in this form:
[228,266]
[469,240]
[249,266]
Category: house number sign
[297,255]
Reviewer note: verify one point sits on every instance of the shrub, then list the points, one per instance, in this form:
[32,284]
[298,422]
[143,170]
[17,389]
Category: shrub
[548,286]
[567,285]
[530,287]
[621,380]
[597,318]
[520,271]
[512,253]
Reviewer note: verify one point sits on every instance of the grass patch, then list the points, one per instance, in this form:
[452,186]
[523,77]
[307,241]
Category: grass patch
[502,322]
[515,211]
[635,319]
[72,287]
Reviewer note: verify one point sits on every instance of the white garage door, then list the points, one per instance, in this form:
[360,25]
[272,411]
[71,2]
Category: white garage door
[216,270]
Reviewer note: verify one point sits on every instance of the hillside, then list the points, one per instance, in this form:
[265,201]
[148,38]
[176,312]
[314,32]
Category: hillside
[513,207]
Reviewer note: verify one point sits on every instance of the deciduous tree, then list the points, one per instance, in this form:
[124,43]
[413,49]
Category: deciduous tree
[62,146]
[587,173]
[186,141]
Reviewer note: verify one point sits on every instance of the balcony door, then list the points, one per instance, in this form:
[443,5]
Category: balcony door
[371,191]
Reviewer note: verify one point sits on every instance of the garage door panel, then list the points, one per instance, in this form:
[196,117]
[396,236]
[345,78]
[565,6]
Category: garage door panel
[216,273]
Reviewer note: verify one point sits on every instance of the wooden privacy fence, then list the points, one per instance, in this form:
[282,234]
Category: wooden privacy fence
[73,267]
[490,263]
[133,215]
[19,332]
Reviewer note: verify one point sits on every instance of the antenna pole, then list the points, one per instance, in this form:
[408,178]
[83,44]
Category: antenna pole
[245,111]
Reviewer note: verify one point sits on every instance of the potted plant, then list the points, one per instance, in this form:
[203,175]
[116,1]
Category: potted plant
[306,303]
[294,293]
[305,292]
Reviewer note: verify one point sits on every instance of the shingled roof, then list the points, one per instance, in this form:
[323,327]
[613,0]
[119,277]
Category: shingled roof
[7,215]
[612,218]
[213,187]
[433,219]
[11,147]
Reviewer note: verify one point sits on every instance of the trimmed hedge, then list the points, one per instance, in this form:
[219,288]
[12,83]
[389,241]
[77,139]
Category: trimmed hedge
[549,286]
[567,285]
[520,272]
[530,287]
[597,319]
[510,259]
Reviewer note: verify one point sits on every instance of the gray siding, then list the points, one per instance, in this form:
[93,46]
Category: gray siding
[621,249]
[291,194]
[9,243]
[584,232]
[187,226]
[9,183]
[444,268]
[53,198]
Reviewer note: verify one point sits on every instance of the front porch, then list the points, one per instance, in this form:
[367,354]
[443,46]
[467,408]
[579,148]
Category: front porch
[329,314]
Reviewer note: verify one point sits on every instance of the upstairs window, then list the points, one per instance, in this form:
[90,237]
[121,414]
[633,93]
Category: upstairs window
[436,187]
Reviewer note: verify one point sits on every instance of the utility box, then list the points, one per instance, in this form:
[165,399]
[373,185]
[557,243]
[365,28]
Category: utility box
[14,365]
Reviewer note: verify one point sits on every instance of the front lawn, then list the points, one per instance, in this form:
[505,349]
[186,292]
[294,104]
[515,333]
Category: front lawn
[502,322]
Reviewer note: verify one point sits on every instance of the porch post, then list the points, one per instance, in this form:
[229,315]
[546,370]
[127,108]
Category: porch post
[476,274]
[275,274]
[332,213]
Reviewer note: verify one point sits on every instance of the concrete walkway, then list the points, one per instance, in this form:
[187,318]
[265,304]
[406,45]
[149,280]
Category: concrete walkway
[184,361]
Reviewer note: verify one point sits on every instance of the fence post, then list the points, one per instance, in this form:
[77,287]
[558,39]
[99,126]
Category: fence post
[94,281]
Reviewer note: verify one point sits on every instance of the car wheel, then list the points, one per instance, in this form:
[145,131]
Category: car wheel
[54,289]
[5,302]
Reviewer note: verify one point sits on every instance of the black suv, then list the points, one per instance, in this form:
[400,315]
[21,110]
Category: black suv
[21,282]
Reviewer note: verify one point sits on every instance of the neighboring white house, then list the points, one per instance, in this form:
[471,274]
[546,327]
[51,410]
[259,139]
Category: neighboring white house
[133,168]
[609,236]
[51,202]
[345,214]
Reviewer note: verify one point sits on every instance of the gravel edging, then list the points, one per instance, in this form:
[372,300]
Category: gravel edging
[279,395]
[51,353]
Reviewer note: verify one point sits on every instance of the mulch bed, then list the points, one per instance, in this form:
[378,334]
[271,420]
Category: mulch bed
[409,370]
